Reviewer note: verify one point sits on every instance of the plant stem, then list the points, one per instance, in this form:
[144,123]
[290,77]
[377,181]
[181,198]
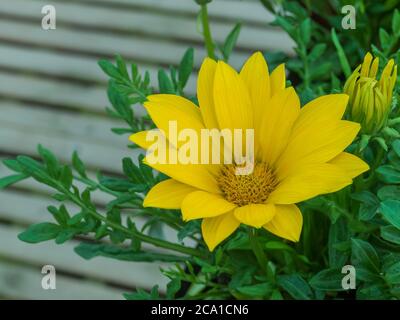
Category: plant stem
[207,32]
[132,233]
[260,254]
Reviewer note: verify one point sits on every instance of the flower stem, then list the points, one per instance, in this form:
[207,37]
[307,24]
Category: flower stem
[130,232]
[260,254]
[207,32]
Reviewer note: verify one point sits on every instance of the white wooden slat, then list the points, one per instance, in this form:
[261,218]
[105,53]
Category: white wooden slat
[249,10]
[61,64]
[79,126]
[183,28]
[24,282]
[17,140]
[59,93]
[132,47]
[51,62]
[25,208]
[64,259]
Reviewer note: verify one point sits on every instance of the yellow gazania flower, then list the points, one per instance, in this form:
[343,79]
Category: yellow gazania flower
[370,98]
[299,152]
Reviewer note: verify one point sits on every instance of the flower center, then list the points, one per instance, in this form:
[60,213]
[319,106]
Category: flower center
[247,189]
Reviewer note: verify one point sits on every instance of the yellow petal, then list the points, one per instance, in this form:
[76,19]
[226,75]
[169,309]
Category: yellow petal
[316,144]
[231,98]
[280,114]
[167,109]
[255,215]
[217,229]
[201,204]
[167,194]
[366,64]
[139,138]
[278,79]
[287,222]
[178,103]
[321,111]
[205,88]
[351,164]
[309,182]
[196,175]
[256,77]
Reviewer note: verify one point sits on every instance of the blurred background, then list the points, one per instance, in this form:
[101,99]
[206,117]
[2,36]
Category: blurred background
[52,92]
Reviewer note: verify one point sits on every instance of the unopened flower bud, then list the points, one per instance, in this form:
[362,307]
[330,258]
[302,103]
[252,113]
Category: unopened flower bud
[370,98]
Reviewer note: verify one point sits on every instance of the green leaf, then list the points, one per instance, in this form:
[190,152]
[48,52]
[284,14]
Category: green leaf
[364,141]
[278,245]
[257,290]
[366,197]
[372,292]
[101,232]
[75,219]
[141,294]
[172,288]
[164,82]
[327,280]
[317,51]
[338,233]
[242,276]
[396,147]
[60,215]
[389,192]
[109,69]
[50,160]
[390,233]
[121,199]
[382,142]
[40,232]
[9,180]
[121,185]
[90,250]
[342,56]
[121,131]
[384,38]
[65,235]
[276,295]
[66,177]
[396,23]
[132,171]
[123,71]
[12,164]
[30,165]
[392,274]
[390,209]
[78,165]
[322,70]
[388,174]
[201,2]
[367,212]
[287,26]
[296,286]
[391,132]
[190,228]
[230,41]
[305,31]
[364,254]
[186,67]
[366,275]
[369,204]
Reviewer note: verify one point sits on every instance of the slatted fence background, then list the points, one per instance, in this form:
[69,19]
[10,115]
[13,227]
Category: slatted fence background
[52,92]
